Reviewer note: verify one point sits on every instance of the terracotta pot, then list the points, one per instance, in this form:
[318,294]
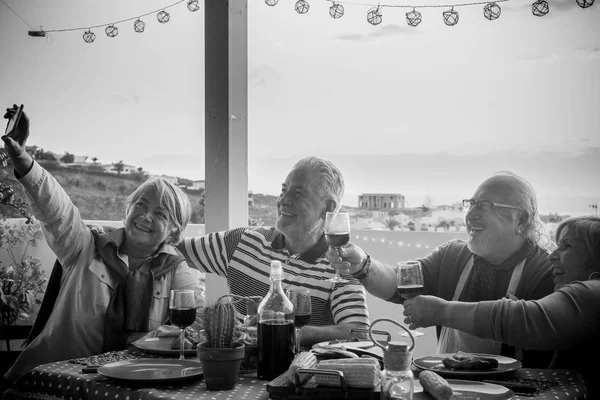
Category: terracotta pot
[220,366]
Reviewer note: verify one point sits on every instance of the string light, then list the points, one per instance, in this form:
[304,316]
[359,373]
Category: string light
[163,17]
[413,18]
[193,5]
[89,36]
[491,11]
[374,16]
[111,31]
[336,11]
[585,3]
[450,17]
[540,8]
[302,6]
[139,26]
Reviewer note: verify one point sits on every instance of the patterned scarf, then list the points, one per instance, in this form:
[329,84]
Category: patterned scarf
[485,275]
[129,305]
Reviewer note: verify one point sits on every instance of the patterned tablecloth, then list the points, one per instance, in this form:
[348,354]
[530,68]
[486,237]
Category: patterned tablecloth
[65,380]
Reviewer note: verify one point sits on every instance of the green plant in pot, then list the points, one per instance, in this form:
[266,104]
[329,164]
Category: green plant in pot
[222,352]
[22,281]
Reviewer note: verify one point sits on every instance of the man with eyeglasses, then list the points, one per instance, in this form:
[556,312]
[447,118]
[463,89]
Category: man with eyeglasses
[503,256]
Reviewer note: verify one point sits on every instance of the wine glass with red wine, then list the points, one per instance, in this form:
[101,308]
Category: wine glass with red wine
[409,277]
[337,234]
[300,298]
[182,313]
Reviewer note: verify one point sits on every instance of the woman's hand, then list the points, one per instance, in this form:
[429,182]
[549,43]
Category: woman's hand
[349,259]
[15,144]
[424,311]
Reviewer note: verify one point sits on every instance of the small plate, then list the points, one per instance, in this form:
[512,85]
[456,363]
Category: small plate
[469,390]
[360,348]
[434,363]
[160,345]
[153,370]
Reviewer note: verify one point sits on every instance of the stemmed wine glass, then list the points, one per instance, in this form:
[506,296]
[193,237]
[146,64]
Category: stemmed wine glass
[409,278]
[337,234]
[300,298]
[182,312]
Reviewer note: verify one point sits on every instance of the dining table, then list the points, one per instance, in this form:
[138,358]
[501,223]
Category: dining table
[73,380]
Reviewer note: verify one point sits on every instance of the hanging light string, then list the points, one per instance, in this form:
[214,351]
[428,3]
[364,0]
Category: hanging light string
[111,29]
[491,10]
[415,6]
[116,22]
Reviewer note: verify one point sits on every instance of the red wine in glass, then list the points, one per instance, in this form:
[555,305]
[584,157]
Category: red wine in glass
[408,291]
[337,234]
[301,319]
[182,312]
[335,239]
[301,301]
[182,317]
[409,279]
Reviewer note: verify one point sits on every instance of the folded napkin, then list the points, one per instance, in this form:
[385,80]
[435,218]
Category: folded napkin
[104,358]
[358,372]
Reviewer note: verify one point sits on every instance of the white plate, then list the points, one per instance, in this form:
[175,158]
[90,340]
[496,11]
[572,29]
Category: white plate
[469,390]
[153,370]
[434,363]
[161,346]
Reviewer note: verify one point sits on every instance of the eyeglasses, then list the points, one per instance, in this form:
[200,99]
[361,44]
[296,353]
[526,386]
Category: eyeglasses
[484,205]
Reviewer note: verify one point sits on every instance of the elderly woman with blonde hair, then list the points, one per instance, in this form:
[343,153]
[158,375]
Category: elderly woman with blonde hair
[566,321]
[115,285]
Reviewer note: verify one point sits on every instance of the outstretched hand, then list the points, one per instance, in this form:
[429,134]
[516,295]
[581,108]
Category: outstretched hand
[424,311]
[348,258]
[16,142]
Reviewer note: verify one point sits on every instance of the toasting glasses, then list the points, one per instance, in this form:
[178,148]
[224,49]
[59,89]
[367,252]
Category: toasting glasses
[182,312]
[300,298]
[337,234]
[409,278]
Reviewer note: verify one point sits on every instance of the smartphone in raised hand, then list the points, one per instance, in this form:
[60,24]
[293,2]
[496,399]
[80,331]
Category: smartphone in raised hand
[13,122]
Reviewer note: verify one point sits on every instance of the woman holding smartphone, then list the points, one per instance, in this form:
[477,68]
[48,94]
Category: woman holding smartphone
[115,285]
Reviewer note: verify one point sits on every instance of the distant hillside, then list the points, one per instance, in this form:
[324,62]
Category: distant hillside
[100,196]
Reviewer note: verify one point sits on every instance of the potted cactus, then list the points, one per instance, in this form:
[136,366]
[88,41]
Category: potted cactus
[222,352]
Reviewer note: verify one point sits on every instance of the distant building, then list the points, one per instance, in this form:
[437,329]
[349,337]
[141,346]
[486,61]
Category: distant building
[197,185]
[127,169]
[80,160]
[381,201]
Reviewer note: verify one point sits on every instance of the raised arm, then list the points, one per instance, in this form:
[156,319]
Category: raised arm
[554,322]
[351,259]
[64,229]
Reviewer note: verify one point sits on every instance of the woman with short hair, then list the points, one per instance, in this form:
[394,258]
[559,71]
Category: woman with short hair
[115,284]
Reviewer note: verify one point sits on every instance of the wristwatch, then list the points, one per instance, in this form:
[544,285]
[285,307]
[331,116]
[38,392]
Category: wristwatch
[364,271]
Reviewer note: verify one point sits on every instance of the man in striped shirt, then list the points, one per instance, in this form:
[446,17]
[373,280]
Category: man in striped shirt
[243,256]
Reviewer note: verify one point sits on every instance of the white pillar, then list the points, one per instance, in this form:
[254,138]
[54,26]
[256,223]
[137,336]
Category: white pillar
[226,116]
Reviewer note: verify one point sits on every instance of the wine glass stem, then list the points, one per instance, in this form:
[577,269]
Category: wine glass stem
[182,343]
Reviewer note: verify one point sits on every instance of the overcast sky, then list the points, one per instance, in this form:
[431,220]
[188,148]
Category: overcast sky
[399,109]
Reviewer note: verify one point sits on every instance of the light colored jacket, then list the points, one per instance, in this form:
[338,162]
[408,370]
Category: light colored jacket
[76,326]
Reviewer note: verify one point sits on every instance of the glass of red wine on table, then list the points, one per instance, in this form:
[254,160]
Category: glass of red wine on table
[182,313]
[409,278]
[337,234]
[300,298]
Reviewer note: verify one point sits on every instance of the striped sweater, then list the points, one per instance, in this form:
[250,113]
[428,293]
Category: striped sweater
[243,256]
